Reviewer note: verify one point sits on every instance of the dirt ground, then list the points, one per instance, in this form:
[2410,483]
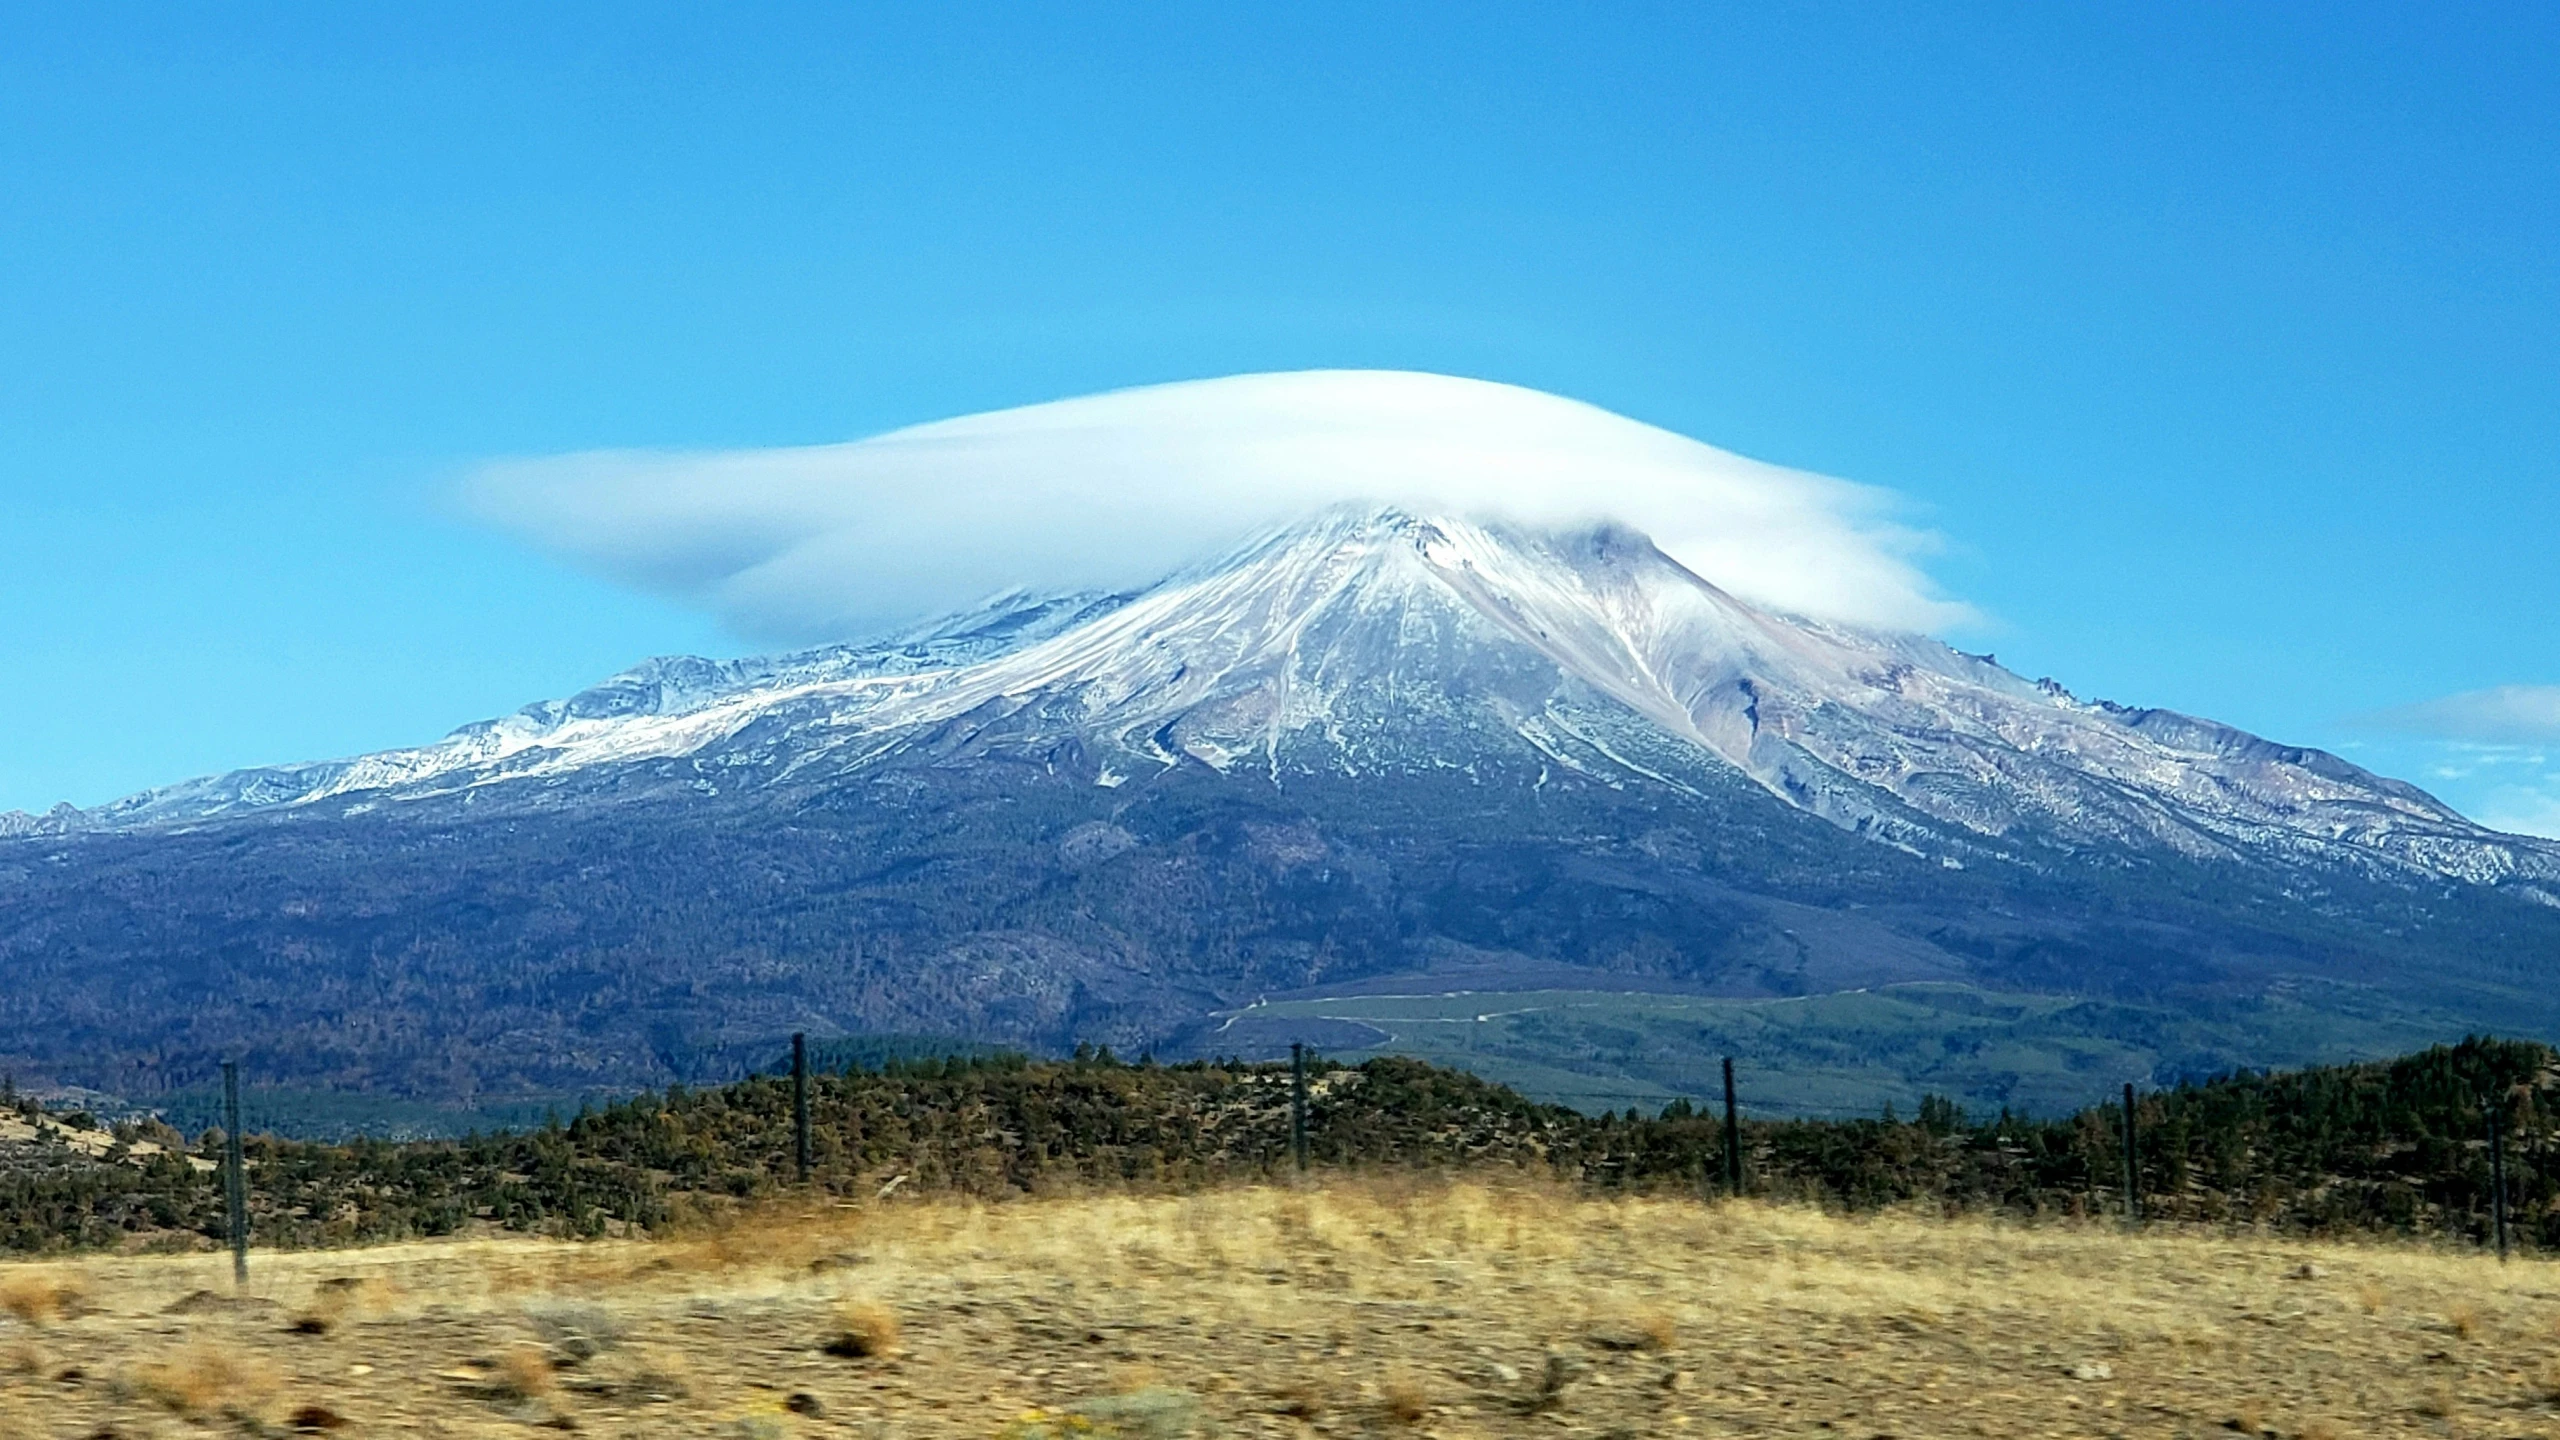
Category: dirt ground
[1348,1308]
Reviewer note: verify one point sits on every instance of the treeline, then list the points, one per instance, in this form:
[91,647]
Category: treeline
[2394,1147]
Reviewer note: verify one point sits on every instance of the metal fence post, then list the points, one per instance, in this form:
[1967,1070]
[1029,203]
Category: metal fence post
[1732,1136]
[2498,1176]
[2132,1199]
[800,1102]
[235,1180]
[1298,1102]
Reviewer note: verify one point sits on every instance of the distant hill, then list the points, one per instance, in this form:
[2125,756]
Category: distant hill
[2390,1147]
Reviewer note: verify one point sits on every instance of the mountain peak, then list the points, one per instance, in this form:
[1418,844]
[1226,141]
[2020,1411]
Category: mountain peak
[1379,637]
[1378,746]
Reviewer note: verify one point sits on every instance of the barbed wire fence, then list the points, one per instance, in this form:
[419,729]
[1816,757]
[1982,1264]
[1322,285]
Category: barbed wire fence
[1724,1171]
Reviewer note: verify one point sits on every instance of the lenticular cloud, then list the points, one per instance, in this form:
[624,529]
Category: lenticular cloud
[1117,490]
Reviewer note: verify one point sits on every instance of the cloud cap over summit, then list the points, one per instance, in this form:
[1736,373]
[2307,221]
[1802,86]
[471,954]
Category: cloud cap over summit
[1118,489]
[2503,714]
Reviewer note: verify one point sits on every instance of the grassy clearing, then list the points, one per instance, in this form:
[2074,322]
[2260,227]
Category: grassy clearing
[1352,1308]
[1845,1053]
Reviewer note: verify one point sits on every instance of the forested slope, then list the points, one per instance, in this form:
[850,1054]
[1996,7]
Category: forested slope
[2390,1147]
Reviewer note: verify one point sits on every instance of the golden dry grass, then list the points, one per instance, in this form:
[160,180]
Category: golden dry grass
[1404,1400]
[205,1378]
[40,1295]
[862,1330]
[526,1372]
[1357,1308]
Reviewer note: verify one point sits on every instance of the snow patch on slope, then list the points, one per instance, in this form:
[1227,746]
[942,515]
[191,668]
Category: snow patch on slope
[1374,638]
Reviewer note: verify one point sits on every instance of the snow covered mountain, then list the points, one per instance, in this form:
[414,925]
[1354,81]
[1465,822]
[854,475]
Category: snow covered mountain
[1374,639]
[629,716]
[1375,752]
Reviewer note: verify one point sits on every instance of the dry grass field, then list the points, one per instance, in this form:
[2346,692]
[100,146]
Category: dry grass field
[1349,1308]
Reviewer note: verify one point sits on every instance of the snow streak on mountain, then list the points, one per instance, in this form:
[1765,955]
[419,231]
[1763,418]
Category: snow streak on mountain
[1380,753]
[1377,640]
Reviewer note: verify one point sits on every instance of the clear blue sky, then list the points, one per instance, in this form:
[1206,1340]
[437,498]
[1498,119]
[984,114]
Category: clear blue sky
[2222,341]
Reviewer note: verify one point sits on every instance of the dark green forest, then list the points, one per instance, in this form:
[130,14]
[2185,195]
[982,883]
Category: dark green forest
[2396,1147]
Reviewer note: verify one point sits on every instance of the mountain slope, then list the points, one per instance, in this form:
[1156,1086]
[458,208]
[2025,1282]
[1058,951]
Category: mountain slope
[1372,745]
[1366,634]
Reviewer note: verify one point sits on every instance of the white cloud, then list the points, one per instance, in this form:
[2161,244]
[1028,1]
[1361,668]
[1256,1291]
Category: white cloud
[2522,810]
[1117,490]
[2506,714]
[2510,784]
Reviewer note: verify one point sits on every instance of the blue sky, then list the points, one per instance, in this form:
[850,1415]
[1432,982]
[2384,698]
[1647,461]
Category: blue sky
[2222,344]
